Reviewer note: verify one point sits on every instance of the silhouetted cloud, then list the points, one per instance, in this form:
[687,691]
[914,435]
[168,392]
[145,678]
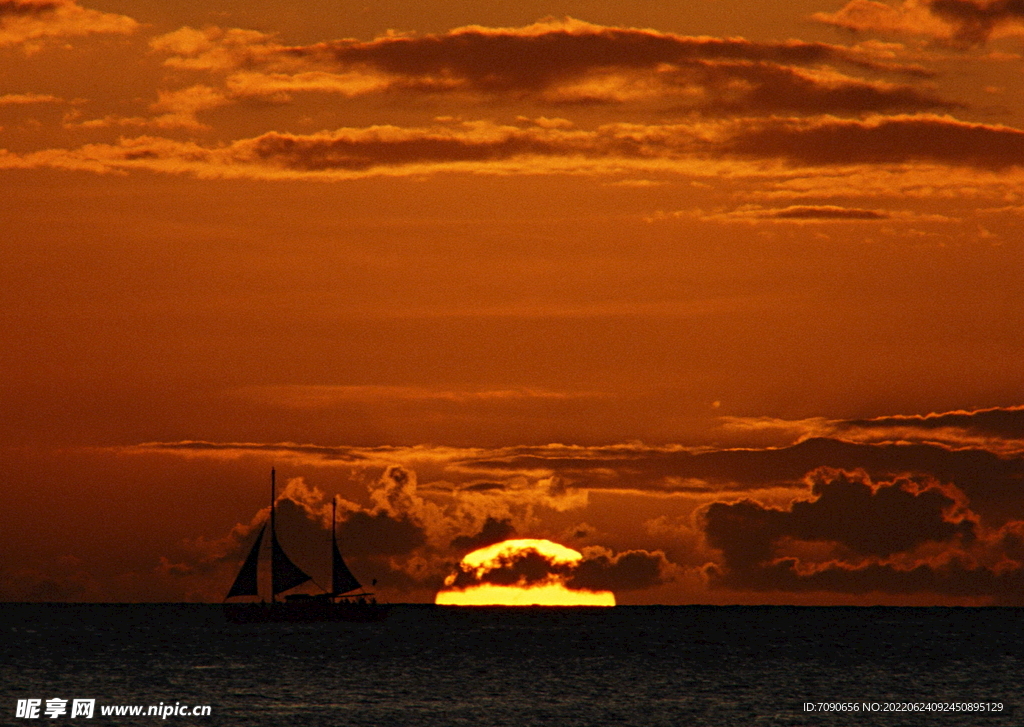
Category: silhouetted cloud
[964,21]
[858,536]
[753,213]
[997,430]
[23,8]
[359,150]
[1005,422]
[364,534]
[893,139]
[484,147]
[599,570]
[303,517]
[557,62]
[846,508]
[826,513]
[527,567]
[630,570]
[989,479]
[347,153]
[504,60]
[977,20]
[492,531]
[772,88]
[824,212]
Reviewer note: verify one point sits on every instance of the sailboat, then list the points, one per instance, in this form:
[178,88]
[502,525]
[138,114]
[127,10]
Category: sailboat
[347,600]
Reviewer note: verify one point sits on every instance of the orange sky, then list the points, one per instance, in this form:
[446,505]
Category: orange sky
[726,298]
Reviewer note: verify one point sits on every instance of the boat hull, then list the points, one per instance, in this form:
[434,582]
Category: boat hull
[305,612]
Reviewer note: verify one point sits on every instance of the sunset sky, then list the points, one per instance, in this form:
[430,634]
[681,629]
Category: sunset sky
[725,296]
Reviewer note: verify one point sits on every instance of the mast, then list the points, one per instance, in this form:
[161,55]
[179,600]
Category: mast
[334,543]
[273,535]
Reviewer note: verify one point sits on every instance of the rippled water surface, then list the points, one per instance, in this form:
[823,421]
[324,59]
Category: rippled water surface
[430,666]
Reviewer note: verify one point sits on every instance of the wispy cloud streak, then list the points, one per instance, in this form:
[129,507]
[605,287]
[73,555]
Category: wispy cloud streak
[28,23]
[485,147]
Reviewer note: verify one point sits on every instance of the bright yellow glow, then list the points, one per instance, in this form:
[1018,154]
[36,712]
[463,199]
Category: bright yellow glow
[489,557]
[549,592]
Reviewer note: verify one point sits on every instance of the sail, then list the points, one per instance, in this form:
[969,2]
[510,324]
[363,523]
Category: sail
[245,583]
[342,580]
[283,573]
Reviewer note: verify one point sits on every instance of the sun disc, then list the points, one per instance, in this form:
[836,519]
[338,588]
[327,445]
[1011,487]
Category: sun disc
[551,591]
[549,594]
[558,554]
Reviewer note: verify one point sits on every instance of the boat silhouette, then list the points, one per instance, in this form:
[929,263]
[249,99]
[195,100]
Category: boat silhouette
[346,601]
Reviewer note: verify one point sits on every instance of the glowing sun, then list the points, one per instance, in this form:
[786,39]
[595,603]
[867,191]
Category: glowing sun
[523,572]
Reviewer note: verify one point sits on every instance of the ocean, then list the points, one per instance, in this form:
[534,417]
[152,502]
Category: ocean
[429,665]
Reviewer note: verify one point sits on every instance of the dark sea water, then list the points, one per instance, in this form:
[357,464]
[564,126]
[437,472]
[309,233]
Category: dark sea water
[430,666]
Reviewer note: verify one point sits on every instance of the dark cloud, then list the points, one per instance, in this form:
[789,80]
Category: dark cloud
[962,22]
[489,147]
[848,509]
[991,482]
[762,87]
[599,570]
[1011,541]
[18,8]
[483,487]
[581,531]
[518,59]
[888,516]
[379,534]
[990,478]
[881,140]
[999,422]
[631,570]
[824,212]
[525,567]
[344,454]
[975,20]
[479,142]
[866,524]
[492,531]
[367,538]
[390,147]
[885,517]
[554,62]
